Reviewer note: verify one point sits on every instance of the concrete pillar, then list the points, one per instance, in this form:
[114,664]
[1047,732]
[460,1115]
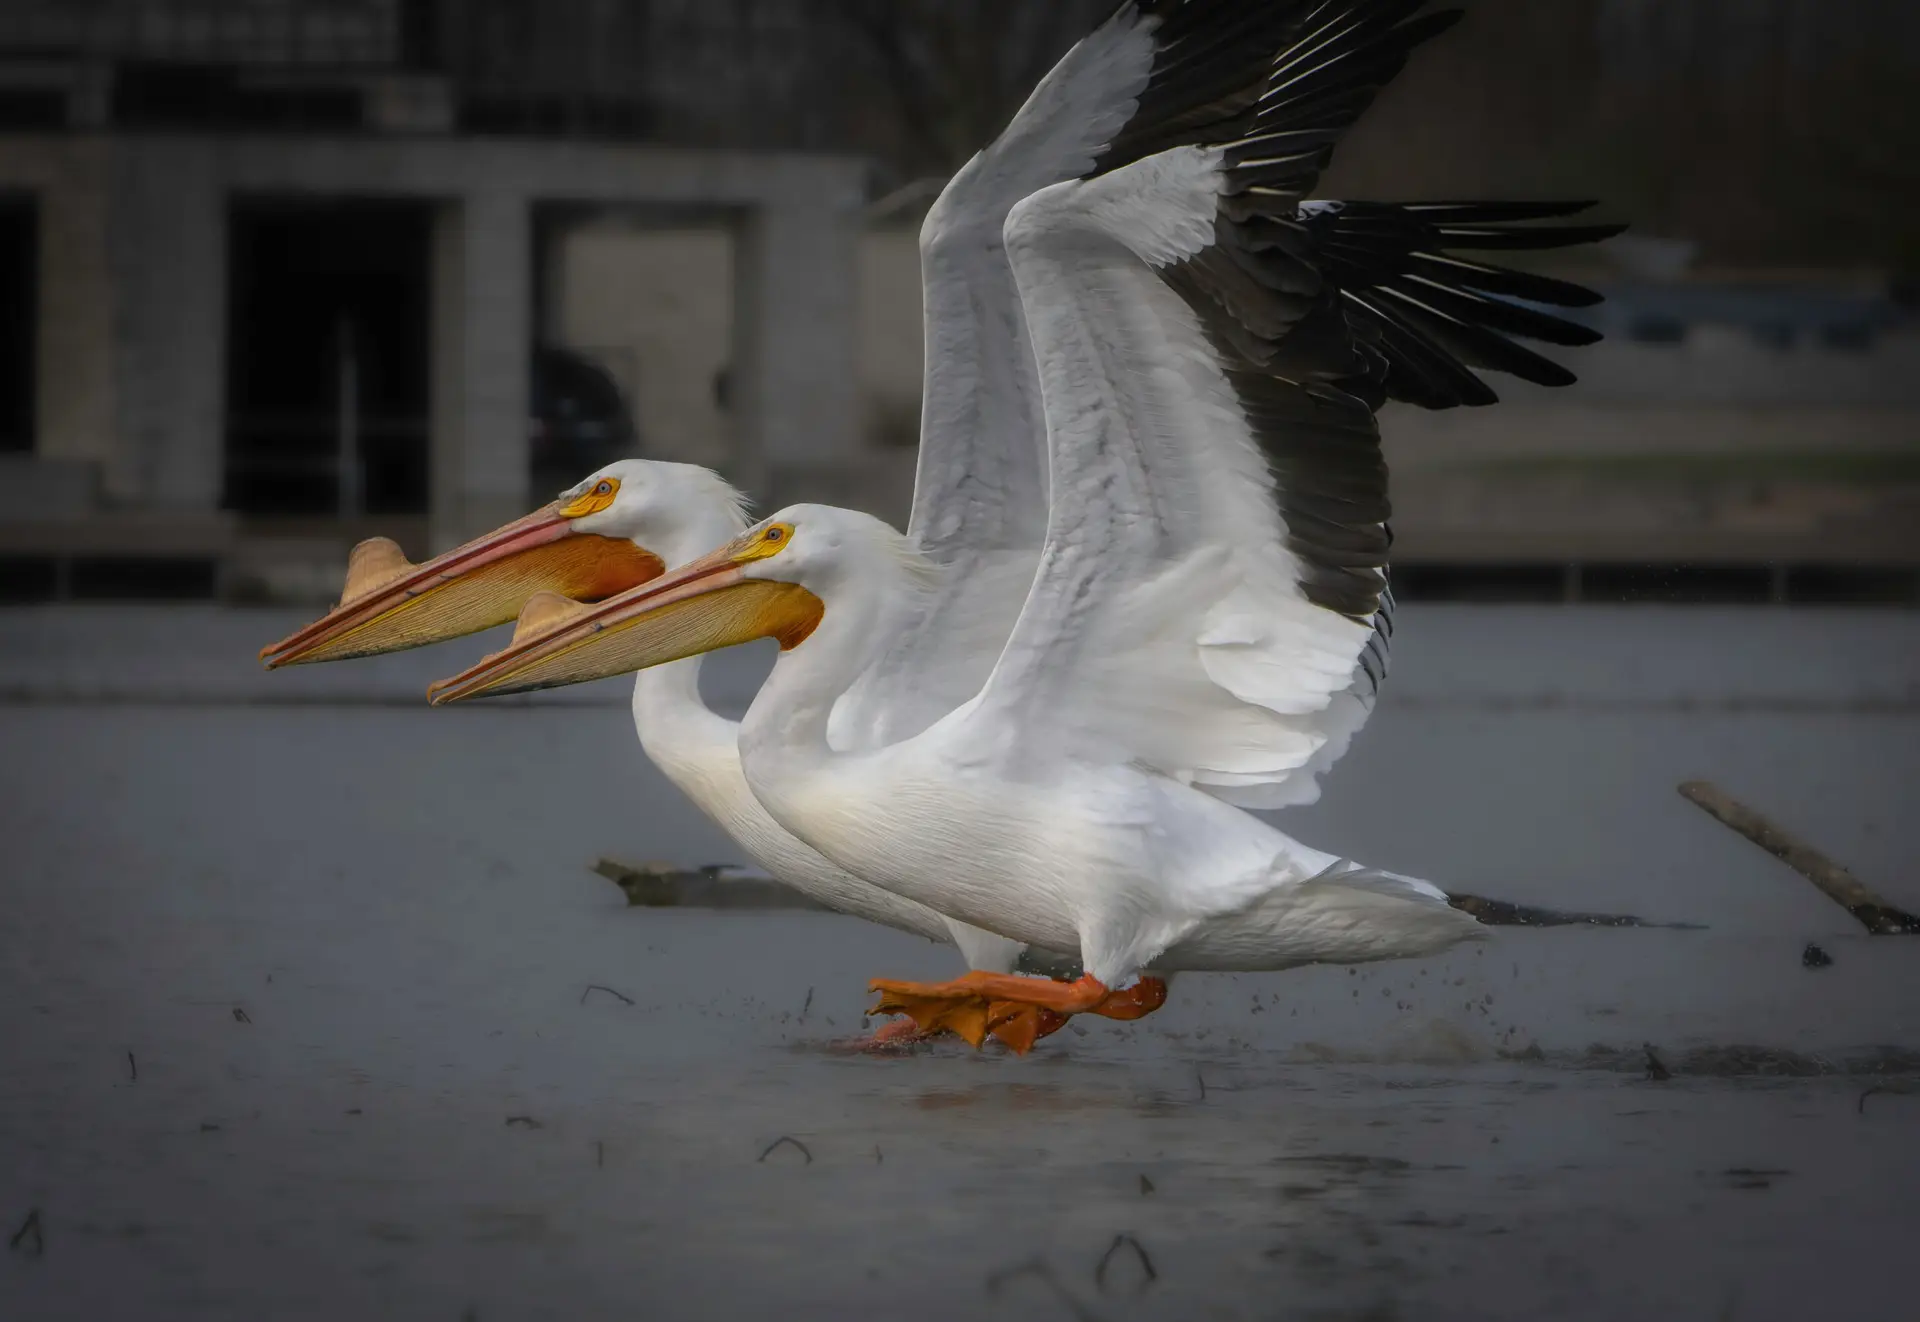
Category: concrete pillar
[74,408]
[482,338]
[169,265]
[794,398]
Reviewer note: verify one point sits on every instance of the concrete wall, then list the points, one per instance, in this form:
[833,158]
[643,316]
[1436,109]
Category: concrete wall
[482,337]
[818,325]
[75,407]
[792,386]
[132,301]
[652,302]
[168,258]
[891,336]
[133,297]
[654,306]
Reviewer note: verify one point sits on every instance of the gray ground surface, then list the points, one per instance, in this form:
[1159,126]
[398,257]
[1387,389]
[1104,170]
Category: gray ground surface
[397,899]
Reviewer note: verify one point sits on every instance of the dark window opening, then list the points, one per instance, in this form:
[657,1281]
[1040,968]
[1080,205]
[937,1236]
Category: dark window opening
[143,578]
[1689,584]
[28,578]
[1486,583]
[186,96]
[1665,584]
[29,108]
[1853,585]
[556,116]
[580,419]
[40,578]
[422,47]
[328,370]
[19,313]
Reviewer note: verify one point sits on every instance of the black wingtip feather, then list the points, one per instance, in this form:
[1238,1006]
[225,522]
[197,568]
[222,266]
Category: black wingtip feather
[1501,281]
[1494,213]
[1322,312]
[1490,238]
[1428,308]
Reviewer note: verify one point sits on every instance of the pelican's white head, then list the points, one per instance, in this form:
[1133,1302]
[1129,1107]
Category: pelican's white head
[674,510]
[774,580]
[611,531]
[829,550]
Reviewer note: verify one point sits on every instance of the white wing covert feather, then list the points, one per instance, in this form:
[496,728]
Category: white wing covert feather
[1212,596]
[1156,74]
[1168,623]
[980,487]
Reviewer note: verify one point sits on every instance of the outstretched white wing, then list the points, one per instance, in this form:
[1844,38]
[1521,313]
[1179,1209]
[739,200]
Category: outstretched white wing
[1211,599]
[1156,74]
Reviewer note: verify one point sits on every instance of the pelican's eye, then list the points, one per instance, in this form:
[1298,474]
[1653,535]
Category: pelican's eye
[594,499]
[770,540]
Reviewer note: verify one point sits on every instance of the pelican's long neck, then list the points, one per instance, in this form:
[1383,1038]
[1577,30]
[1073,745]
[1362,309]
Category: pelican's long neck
[785,730]
[667,706]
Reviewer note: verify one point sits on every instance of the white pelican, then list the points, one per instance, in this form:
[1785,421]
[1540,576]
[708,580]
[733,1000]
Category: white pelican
[1209,620]
[1153,75]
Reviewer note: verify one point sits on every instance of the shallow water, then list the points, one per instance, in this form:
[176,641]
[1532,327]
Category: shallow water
[436,1105]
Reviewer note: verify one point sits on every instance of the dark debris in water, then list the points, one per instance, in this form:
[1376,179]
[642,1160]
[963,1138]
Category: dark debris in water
[1885,920]
[1813,957]
[29,1238]
[1148,1274]
[715,886]
[1738,1061]
[787,1140]
[1503,913]
[1891,1092]
[1037,1269]
[599,987]
[1747,1177]
[1832,880]
[1349,1163]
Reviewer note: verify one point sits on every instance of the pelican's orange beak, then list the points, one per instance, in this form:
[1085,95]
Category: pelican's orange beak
[704,605]
[390,604]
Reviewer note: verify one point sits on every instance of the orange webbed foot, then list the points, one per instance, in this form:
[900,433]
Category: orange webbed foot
[1016,1010]
[1018,1027]
[1136,1002]
[933,1008]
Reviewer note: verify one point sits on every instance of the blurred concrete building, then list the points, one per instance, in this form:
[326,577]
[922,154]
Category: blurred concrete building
[274,276]
[279,274]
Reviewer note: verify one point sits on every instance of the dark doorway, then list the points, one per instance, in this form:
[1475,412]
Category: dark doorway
[19,313]
[580,419]
[327,359]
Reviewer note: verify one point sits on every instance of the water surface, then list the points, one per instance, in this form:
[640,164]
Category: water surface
[435,1099]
